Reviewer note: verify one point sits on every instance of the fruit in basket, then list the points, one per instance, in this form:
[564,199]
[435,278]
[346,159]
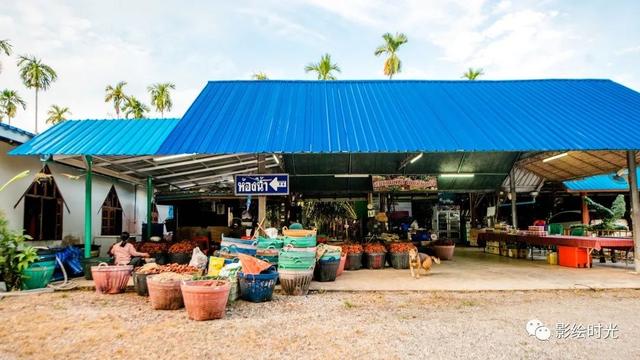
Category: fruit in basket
[374,248]
[351,248]
[183,247]
[153,248]
[403,247]
[152,268]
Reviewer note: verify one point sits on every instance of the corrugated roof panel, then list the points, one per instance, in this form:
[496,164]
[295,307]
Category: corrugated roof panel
[14,134]
[100,137]
[408,116]
[606,182]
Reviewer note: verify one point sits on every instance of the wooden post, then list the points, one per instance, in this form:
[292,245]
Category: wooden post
[514,211]
[262,200]
[87,207]
[585,209]
[635,207]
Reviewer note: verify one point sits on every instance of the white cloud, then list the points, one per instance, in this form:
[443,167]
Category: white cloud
[629,50]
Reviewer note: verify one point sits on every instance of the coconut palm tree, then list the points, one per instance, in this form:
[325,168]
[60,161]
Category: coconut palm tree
[6,48]
[472,74]
[392,64]
[57,114]
[134,108]
[9,102]
[36,75]
[324,68]
[161,96]
[116,95]
[260,76]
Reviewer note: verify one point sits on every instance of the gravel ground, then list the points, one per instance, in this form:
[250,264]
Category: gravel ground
[406,325]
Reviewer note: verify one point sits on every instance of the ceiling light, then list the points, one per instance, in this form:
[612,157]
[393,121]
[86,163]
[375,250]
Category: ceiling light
[171,157]
[416,158]
[457,175]
[555,157]
[622,172]
[351,175]
[275,157]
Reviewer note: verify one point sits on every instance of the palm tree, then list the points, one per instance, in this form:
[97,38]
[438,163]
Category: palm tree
[472,74]
[116,95]
[161,97]
[133,107]
[9,102]
[6,48]
[36,75]
[392,64]
[57,114]
[260,76]
[323,68]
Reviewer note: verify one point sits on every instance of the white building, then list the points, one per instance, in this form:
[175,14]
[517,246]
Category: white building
[53,208]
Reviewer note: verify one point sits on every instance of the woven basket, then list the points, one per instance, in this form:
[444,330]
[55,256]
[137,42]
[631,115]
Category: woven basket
[299,232]
[399,260]
[295,282]
[165,295]
[111,279]
[354,261]
[204,300]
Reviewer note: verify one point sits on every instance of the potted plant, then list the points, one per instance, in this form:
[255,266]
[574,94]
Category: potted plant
[15,256]
[444,248]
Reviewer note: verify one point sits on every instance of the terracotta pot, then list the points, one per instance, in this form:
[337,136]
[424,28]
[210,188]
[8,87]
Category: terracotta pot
[444,252]
[343,261]
[205,299]
[164,295]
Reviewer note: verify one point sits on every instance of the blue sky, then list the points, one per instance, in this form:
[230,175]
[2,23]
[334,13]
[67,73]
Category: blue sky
[95,43]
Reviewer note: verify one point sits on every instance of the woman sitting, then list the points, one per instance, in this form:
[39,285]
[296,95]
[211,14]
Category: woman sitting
[125,254]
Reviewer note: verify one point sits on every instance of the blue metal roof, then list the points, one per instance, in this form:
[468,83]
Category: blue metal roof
[408,116]
[100,137]
[599,183]
[14,134]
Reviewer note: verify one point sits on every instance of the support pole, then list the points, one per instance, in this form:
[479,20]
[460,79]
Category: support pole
[635,207]
[585,209]
[87,207]
[149,205]
[262,200]
[514,211]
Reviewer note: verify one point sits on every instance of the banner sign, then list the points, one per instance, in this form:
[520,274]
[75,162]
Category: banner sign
[261,184]
[404,183]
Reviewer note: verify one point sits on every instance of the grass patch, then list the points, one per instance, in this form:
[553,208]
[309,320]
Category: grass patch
[349,305]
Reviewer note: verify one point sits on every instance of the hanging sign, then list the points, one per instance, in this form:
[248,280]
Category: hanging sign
[404,183]
[261,184]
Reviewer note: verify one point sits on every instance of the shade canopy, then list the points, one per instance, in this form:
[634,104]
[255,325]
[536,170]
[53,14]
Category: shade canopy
[381,116]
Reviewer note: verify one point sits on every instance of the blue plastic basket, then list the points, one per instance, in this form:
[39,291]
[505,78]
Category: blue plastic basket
[258,288]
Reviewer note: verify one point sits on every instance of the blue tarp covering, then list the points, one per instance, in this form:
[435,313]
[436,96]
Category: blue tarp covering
[408,116]
[606,182]
[100,137]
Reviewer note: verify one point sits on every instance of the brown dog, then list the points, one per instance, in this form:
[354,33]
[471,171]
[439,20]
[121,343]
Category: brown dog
[420,261]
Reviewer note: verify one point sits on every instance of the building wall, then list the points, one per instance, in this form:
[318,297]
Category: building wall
[132,198]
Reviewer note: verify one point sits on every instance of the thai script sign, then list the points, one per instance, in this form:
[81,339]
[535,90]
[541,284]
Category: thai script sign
[404,183]
[261,184]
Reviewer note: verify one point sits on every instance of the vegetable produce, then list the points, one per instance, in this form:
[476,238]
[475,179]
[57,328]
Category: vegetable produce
[374,248]
[158,269]
[351,248]
[153,248]
[401,247]
[182,247]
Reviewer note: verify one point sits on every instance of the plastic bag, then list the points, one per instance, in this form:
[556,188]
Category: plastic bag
[272,233]
[198,259]
[215,265]
[230,271]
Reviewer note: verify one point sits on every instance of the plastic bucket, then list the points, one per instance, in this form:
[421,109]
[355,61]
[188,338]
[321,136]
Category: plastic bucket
[300,242]
[257,288]
[165,295]
[295,282]
[353,262]
[296,260]
[180,258]
[38,275]
[205,299]
[140,284]
[399,260]
[267,243]
[343,261]
[88,263]
[375,260]
[111,279]
[326,270]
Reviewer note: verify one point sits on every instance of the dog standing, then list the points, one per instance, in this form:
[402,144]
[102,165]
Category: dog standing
[420,261]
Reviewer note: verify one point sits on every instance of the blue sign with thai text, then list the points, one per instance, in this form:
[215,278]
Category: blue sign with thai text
[261,184]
